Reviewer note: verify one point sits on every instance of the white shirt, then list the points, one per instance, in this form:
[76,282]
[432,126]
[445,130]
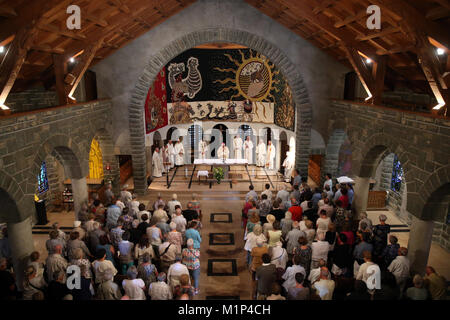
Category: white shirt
[134,289]
[268,193]
[180,221]
[174,273]
[171,205]
[289,276]
[399,267]
[320,250]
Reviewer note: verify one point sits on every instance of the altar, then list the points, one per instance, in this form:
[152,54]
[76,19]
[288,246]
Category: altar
[226,163]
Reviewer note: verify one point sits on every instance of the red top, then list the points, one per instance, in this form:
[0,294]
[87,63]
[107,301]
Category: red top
[350,237]
[297,212]
[344,200]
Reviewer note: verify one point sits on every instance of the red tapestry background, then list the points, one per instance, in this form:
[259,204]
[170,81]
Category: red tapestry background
[156,104]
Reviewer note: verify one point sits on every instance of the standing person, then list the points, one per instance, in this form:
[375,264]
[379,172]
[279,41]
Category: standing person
[268,192]
[261,154]
[436,284]
[125,195]
[288,165]
[193,234]
[157,163]
[160,290]
[324,287]
[380,237]
[107,289]
[165,158]
[237,147]
[289,275]
[134,287]
[223,152]
[171,150]
[171,205]
[266,275]
[328,181]
[109,194]
[270,156]
[56,263]
[248,150]
[191,259]
[179,153]
[292,238]
[297,178]
[252,193]
[399,267]
[203,147]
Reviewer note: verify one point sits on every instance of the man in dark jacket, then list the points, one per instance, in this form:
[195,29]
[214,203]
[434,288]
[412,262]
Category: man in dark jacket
[266,275]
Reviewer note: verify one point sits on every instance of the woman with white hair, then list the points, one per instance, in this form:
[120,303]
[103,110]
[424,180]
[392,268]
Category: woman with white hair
[286,224]
[175,237]
[417,292]
[191,259]
[252,238]
[80,260]
[134,288]
[32,283]
[172,204]
[108,290]
[279,257]
[319,250]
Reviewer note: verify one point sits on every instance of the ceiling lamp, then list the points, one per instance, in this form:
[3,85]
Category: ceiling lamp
[368,61]
[2,49]
[72,60]
[3,107]
[440,51]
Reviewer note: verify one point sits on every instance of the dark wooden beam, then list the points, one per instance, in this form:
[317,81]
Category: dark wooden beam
[363,72]
[379,74]
[60,68]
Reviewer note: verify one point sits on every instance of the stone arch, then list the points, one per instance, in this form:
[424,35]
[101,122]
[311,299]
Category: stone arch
[75,161]
[17,204]
[436,187]
[218,34]
[373,150]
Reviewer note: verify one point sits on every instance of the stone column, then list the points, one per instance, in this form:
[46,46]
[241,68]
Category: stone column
[80,194]
[419,244]
[361,189]
[21,242]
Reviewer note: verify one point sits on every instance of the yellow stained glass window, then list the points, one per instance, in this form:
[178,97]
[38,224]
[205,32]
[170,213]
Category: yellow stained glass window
[95,161]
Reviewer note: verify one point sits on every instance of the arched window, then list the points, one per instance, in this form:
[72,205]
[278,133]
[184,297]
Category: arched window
[397,175]
[43,179]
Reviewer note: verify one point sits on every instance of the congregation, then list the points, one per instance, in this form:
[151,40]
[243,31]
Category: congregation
[301,244]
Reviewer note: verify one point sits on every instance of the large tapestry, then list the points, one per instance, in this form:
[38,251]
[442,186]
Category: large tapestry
[156,104]
[226,85]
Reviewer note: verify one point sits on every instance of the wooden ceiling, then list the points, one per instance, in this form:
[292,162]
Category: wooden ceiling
[403,51]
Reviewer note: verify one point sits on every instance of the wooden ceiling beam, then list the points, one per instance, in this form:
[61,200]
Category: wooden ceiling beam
[74,77]
[350,19]
[324,5]
[378,34]
[122,7]
[7,11]
[67,33]
[413,18]
[47,49]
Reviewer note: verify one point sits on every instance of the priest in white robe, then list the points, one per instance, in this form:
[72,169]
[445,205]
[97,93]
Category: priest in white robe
[165,157]
[203,150]
[248,150]
[288,165]
[223,152]
[261,154]
[270,156]
[237,147]
[171,154]
[157,163]
[179,153]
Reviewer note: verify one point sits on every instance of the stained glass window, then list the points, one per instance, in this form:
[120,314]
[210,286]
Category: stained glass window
[42,179]
[397,175]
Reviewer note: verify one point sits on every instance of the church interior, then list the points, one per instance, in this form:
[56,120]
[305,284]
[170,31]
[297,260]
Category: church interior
[232,110]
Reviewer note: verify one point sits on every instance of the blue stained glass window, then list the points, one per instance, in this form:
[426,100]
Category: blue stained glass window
[42,179]
[397,175]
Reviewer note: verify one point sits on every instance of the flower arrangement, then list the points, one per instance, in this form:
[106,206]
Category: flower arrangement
[218,174]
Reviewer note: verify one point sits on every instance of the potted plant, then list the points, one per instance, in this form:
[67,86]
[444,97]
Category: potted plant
[218,174]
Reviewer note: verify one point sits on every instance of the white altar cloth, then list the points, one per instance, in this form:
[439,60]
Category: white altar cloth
[229,162]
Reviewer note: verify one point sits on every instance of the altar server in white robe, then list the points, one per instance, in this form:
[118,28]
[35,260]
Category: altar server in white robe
[171,154]
[288,165]
[179,153]
[248,150]
[165,157]
[270,156]
[157,163]
[203,149]
[223,152]
[261,154]
[237,146]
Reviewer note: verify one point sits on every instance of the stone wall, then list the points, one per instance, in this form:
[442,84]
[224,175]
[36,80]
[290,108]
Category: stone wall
[27,139]
[421,142]
[32,99]
[313,76]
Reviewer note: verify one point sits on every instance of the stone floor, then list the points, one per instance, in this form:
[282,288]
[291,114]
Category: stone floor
[223,269]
